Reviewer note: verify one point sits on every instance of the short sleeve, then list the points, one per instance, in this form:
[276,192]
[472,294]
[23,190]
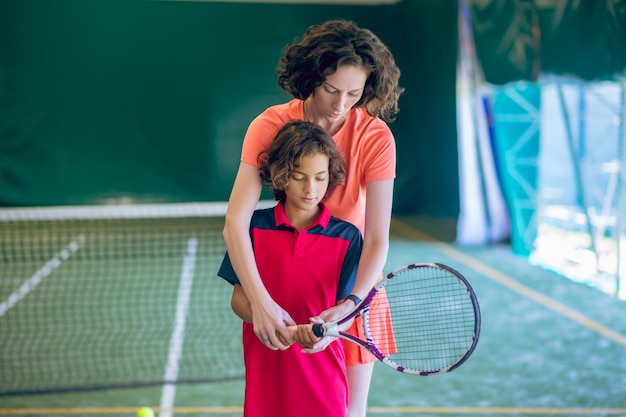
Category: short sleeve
[227,271]
[350,264]
[379,160]
[264,127]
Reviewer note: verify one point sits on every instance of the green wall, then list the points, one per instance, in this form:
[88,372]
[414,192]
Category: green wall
[150,100]
[519,40]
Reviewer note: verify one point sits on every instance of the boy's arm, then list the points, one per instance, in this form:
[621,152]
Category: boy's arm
[240,304]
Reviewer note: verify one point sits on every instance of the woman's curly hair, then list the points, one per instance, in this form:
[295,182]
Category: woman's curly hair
[307,62]
[293,141]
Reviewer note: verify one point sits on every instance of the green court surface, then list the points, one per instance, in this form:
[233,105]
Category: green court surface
[548,346]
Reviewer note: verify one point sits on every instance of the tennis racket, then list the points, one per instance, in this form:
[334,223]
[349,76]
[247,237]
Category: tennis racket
[422,319]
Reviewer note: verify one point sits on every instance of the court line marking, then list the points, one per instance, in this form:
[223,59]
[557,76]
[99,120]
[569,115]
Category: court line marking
[403,228]
[379,410]
[168,394]
[489,272]
[41,273]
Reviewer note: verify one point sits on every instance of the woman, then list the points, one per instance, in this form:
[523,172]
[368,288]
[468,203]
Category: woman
[345,79]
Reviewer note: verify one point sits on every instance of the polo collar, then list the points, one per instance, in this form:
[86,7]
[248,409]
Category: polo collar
[281,218]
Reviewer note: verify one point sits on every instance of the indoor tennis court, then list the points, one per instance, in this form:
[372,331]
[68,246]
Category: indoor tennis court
[122,124]
[548,346]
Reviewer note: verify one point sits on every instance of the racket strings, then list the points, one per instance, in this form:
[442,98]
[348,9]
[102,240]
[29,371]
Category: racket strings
[424,320]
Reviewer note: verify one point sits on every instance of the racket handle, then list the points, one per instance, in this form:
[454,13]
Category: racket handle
[318,330]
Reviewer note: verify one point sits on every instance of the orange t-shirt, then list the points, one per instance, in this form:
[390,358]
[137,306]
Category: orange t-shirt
[369,150]
[367,144]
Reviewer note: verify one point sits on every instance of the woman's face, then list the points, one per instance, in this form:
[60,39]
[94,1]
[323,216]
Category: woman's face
[331,101]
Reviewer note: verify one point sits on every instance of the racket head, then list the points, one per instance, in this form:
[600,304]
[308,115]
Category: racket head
[424,319]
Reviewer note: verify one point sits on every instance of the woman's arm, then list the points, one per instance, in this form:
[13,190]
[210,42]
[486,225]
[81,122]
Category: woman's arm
[378,205]
[241,306]
[267,316]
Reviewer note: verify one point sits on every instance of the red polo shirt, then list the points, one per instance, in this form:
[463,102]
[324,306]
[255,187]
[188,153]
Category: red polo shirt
[305,272]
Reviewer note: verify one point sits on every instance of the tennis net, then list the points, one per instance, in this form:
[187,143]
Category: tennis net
[114,296]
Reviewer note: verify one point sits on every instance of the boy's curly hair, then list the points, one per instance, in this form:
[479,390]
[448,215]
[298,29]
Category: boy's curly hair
[293,141]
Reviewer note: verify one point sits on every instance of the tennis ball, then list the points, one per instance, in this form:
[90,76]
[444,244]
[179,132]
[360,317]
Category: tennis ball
[145,412]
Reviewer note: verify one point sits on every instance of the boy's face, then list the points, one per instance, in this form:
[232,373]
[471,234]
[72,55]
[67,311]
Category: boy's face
[308,182]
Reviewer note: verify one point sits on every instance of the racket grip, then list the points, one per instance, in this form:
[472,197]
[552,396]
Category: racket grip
[318,330]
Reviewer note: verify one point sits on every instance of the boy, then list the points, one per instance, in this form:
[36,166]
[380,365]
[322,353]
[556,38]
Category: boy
[308,261]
